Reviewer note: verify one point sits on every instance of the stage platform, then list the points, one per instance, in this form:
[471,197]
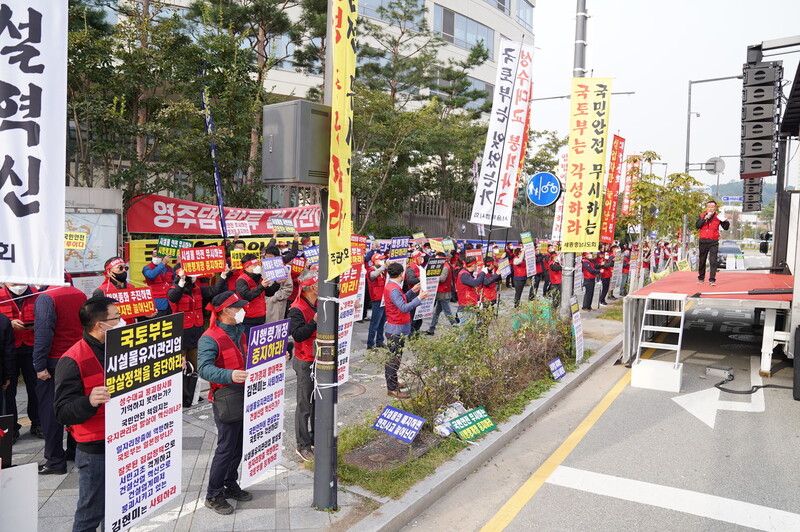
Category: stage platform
[683,282]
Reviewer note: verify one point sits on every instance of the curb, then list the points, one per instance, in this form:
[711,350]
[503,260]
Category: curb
[398,513]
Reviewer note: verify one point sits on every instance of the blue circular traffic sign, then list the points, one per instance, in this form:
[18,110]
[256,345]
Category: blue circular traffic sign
[543,189]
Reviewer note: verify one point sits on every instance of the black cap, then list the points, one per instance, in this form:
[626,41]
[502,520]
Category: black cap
[220,300]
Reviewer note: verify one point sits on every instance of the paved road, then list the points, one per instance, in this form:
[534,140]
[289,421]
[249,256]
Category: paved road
[706,461]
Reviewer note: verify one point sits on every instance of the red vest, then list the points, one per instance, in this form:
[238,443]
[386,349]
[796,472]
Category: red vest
[376,285]
[191,306]
[394,315]
[67,301]
[229,355]
[305,350]
[626,265]
[108,286]
[231,279]
[467,295]
[445,287]
[555,276]
[490,292]
[586,273]
[91,372]
[539,266]
[12,311]
[257,308]
[606,272]
[161,283]
[710,229]
[520,270]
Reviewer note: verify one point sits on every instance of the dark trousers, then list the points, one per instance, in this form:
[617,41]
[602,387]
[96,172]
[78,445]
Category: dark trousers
[546,282]
[395,343]
[555,293]
[54,454]
[588,287]
[304,415]
[376,323]
[708,249]
[25,367]
[519,286]
[538,278]
[225,464]
[91,491]
[605,282]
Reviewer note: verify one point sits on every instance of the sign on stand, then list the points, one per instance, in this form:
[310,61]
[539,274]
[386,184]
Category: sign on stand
[577,328]
[349,285]
[400,424]
[144,422]
[472,424]
[530,253]
[264,400]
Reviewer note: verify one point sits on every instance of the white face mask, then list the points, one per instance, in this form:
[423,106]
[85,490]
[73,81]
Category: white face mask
[120,323]
[18,289]
[257,270]
[239,316]
[157,260]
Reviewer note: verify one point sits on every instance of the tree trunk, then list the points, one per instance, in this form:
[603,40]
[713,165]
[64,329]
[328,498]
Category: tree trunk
[261,55]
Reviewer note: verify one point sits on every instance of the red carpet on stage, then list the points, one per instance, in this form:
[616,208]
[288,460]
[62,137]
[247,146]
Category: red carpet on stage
[682,282]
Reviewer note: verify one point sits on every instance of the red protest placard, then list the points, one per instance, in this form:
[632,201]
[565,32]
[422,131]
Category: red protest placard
[358,247]
[133,302]
[203,261]
[298,264]
[348,281]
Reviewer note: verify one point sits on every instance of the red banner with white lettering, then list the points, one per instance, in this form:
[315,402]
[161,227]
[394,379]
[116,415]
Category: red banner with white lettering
[164,215]
[611,199]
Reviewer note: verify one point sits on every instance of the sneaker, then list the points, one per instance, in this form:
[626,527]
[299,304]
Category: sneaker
[603,304]
[398,394]
[305,454]
[219,505]
[237,494]
[712,283]
[699,281]
[430,333]
[36,430]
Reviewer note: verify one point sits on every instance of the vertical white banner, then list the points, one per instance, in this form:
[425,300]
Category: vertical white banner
[349,294]
[504,149]
[33,114]
[264,400]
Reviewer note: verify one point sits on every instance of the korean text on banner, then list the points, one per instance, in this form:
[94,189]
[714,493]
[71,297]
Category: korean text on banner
[503,152]
[203,261]
[133,302]
[264,400]
[344,72]
[589,114]
[611,198]
[432,272]
[631,176]
[33,40]
[74,240]
[159,214]
[530,253]
[558,215]
[274,270]
[349,284]
[144,422]
[398,250]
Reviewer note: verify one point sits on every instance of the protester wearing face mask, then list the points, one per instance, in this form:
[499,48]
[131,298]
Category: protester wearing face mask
[238,245]
[57,328]
[158,275]
[277,302]
[252,288]
[116,277]
[17,303]
[80,396]
[189,297]
[221,358]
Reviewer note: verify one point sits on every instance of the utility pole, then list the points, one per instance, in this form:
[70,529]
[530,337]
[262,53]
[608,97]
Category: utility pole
[326,393]
[578,71]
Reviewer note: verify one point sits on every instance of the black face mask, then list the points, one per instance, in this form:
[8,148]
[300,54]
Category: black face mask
[121,277]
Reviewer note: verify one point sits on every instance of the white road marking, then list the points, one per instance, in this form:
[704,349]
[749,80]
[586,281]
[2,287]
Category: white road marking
[705,403]
[690,502]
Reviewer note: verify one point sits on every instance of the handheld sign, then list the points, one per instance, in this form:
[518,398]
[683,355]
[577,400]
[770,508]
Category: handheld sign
[264,400]
[133,302]
[417,236]
[399,424]
[273,269]
[472,424]
[436,245]
[238,227]
[577,328]
[557,368]
[505,268]
[398,251]
[203,261]
[349,294]
[282,225]
[358,248]
[312,255]
[171,246]
[143,419]
[236,258]
[448,244]
[74,240]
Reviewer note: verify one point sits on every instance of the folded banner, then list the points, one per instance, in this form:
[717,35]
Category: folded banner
[160,214]
[33,111]
[504,150]
[611,198]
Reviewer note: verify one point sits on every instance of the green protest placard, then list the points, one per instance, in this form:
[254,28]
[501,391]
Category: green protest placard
[472,424]
[448,244]
[526,238]
[171,246]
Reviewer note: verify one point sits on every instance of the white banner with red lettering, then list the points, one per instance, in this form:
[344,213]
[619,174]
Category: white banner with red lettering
[33,111]
[161,214]
[504,149]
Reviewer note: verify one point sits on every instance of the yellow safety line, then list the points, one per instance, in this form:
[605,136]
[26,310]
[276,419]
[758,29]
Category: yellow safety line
[525,493]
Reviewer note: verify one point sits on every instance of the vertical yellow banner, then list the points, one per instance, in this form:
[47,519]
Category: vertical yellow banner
[339,227]
[588,133]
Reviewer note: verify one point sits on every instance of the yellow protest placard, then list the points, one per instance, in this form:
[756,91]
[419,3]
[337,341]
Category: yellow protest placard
[74,240]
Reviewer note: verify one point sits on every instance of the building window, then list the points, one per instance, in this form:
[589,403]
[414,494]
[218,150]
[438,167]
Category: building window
[462,31]
[525,13]
[281,50]
[370,8]
[502,5]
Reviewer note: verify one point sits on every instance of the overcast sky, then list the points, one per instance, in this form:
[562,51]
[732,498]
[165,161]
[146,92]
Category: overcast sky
[654,48]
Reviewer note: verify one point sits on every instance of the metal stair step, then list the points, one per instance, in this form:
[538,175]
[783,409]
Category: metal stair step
[658,345]
[658,328]
[663,312]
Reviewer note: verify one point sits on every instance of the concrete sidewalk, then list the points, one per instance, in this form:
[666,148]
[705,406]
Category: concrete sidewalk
[283,501]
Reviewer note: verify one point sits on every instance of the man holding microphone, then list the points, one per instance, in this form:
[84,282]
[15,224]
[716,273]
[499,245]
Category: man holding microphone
[709,223]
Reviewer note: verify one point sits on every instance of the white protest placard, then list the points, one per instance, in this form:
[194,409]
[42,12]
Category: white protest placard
[429,278]
[237,228]
[144,419]
[349,285]
[264,400]
[577,328]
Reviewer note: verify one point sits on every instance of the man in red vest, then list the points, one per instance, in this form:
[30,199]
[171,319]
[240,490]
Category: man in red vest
[555,279]
[116,277]
[17,303]
[467,288]
[303,329]
[709,223]
[221,352]
[590,273]
[491,281]
[443,294]
[80,394]
[57,328]
[158,275]
[398,322]
[376,280]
